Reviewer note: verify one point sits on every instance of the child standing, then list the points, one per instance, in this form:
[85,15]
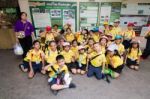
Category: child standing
[97,62]
[133,55]
[59,76]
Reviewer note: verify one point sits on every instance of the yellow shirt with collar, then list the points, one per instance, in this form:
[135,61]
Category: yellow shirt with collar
[103,49]
[134,54]
[49,37]
[121,49]
[129,34]
[99,60]
[50,56]
[68,55]
[96,37]
[82,58]
[118,30]
[117,61]
[35,56]
[69,37]
[57,68]
[113,33]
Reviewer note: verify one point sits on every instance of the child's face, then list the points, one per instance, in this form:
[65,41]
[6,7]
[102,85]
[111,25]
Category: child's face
[53,46]
[81,51]
[130,27]
[37,45]
[110,27]
[61,62]
[118,41]
[91,42]
[135,45]
[96,47]
[55,27]
[74,44]
[68,31]
[66,48]
[110,53]
[116,24]
[91,33]
[61,41]
[103,41]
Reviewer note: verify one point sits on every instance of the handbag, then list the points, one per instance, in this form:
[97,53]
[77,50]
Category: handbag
[21,34]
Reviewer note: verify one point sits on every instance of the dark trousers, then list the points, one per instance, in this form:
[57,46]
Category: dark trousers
[146,52]
[26,44]
[126,43]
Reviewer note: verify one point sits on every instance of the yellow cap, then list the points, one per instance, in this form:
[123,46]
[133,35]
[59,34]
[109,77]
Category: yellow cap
[105,23]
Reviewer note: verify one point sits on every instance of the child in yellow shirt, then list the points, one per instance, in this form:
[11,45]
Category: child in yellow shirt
[34,60]
[69,36]
[59,76]
[82,36]
[103,43]
[82,60]
[69,57]
[89,46]
[96,34]
[97,62]
[114,61]
[133,55]
[74,48]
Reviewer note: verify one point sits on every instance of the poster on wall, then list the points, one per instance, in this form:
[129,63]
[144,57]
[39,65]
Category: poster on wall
[88,14]
[45,13]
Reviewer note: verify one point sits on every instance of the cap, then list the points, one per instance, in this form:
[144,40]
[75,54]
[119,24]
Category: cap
[81,47]
[130,24]
[117,20]
[48,28]
[118,37]
[66,44]
[112,47]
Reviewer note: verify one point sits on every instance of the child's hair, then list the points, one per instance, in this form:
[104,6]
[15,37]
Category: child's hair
[55,25]
[116,53]
[74,41]
[41,30]
[59,57]
[138,47]
[52,42]
[68,29]
[87,32]
[35,41]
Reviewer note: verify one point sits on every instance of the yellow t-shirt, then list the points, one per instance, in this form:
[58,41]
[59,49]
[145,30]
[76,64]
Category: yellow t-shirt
[56,32]
[118,30]
[68,56]
[99,60]
[113,33]
[50,56]
[82,58]
[96,37]
[134,54]
[121,49]
[34,56]
[117,61]
[69,37]
[103,49]
[80,38]
[89,49]
[129,34]
[58,69]
[49,37]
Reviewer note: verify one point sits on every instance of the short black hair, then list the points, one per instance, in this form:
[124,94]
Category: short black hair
[35,41]
[22,14]
[55,25]
[59,57]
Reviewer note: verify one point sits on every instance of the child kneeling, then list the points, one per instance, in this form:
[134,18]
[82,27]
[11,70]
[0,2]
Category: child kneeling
[59,76]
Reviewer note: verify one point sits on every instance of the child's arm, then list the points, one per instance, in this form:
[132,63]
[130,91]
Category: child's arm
[30,65]
[138,60]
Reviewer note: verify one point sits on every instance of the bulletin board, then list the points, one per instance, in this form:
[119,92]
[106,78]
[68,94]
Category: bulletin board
[44,13]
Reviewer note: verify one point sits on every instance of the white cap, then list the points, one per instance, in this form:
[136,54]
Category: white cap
[81,47]
[66,44]
[117,20]
[112,47]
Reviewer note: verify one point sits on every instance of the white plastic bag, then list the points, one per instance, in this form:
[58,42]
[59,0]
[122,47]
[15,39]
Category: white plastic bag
[18,49]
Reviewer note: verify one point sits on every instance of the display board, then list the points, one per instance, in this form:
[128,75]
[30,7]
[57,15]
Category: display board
[88,14]
[46,13]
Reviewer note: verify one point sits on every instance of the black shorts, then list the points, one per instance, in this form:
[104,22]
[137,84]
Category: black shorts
[117,70]
[130,62]
[36,67]
[83,67]
[71,65]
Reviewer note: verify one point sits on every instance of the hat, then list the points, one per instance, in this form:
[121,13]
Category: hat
[135,41]
[130,24]
[48,28]
[100,30]
[112,47]
[81,47]
[111,24]
[105,23]
[66,44]
[118,37]
[109,35]
[104,37]
[117,20]
[96,29]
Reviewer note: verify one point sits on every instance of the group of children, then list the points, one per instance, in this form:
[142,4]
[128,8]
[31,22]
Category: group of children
[99,53]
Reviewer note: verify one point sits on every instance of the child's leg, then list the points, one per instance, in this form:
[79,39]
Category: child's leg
[83,69]
[98,73]
[74,71]
[82,72]
[31,74]
[90,71]
[78,71]
[24,66]
[130,63]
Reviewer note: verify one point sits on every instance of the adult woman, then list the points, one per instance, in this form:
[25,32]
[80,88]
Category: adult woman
[24,33]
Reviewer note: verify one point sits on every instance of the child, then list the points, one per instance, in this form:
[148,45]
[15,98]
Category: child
[97,62]
[69,36]
[74,47]
[51,53]
[103,43]
[133,55]
[69,57]
[89,46]
[34,60]
[118,42]
[82,37]
[128,35]
[49,36]
[114,61]
[60,44]
[109,36]
[55,30]
[59,76]
[112,31]
[96,35]
[82,60]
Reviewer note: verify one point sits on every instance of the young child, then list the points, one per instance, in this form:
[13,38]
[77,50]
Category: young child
[89,46]
[69,57]
[82,60]
[114,61]
[59,76]
[103,43]
[133,55]
[34,61]
[51,53]
[74,47]
[97,62]
[109,36]
[55,30]
[69,36]
[49,36]
[128,35]
[96,35]
[82,36]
